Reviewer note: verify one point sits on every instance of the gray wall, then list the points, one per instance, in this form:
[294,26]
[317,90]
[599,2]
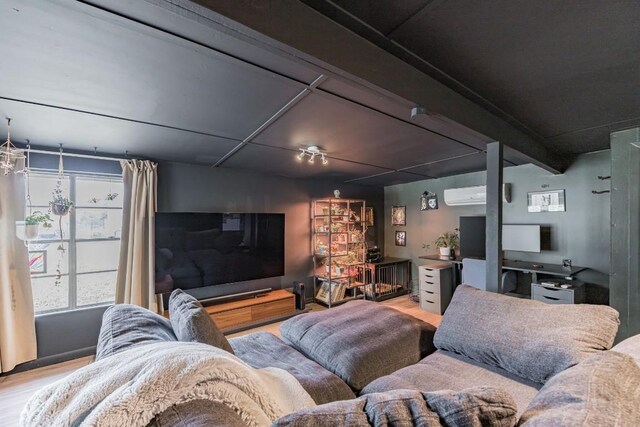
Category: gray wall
[581,233]
[189,188]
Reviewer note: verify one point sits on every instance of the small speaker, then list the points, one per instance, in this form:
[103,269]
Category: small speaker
[298,291]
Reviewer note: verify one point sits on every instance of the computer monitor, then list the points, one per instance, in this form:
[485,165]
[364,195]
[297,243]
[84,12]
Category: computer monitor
[521,237]
[515,237]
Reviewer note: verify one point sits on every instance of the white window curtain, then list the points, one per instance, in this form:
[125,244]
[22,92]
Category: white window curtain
[17,321]
[135,283]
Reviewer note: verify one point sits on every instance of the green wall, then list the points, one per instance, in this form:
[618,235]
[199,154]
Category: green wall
[581,233]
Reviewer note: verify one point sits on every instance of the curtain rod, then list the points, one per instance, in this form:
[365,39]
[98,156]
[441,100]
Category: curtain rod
[84,156]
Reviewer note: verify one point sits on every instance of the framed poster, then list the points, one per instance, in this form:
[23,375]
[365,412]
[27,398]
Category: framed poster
[546,201]
[368,216]
[401,238]
[399,215]
[38,262]
[428,201]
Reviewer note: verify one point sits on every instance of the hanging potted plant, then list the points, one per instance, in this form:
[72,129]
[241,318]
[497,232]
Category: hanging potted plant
[60,205]
[448,242]
[29,229]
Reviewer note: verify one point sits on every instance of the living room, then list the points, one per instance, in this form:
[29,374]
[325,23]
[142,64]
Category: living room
[273,133]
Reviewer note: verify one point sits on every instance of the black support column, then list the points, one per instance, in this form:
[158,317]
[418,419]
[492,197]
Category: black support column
[494,217]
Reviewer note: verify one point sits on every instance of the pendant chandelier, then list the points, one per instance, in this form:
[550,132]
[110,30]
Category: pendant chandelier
[10,154]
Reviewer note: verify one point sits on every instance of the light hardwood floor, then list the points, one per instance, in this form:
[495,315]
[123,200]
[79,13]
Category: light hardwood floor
[16,389]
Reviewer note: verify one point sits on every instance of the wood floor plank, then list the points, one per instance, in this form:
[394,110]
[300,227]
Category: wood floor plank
[15,390]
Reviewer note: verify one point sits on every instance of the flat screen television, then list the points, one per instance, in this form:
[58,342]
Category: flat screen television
[195,250]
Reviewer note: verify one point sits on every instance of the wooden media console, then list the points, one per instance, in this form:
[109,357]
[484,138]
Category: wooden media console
[250,312]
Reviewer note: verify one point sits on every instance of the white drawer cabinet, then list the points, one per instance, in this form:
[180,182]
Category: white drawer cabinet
[436,286]
[574,294]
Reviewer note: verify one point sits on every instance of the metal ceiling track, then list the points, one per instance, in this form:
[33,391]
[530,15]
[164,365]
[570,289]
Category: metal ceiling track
[293,101]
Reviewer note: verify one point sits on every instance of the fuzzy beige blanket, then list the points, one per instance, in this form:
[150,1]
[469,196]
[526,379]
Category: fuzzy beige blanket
[130,388]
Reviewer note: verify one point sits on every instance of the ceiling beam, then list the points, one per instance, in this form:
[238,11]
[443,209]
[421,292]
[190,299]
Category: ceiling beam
[301,31]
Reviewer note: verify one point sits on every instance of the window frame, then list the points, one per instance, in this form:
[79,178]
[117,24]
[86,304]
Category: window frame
[71,240]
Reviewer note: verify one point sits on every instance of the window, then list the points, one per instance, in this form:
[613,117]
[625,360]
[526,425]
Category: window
[80,270]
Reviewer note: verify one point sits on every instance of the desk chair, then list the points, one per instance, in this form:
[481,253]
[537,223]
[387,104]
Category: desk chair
[474,273]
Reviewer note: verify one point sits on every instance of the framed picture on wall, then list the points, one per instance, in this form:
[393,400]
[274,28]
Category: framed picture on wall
[399,215]
[38,262]
[546,201]
[401,238]
[428,201]
[368,216]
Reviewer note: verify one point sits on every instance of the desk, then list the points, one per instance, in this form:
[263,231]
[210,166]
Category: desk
[533,268]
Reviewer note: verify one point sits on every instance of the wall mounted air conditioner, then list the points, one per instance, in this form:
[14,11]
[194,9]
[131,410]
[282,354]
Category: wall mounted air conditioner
[473,195]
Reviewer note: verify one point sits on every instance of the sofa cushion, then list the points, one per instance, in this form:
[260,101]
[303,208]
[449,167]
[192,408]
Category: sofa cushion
[361,340]
[473,407]
[444,370]
[198,413]
[630,346]
[528,338]
[191,322]
[265,350]
[335,414]
[603,390]
[125,326]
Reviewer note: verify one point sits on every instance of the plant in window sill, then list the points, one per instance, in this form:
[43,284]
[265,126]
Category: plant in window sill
[29,229]
[39,218]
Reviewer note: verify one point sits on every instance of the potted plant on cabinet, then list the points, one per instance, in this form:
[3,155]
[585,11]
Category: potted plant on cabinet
[448,242]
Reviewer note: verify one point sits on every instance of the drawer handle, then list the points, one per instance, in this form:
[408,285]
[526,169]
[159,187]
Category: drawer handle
[431,283]
[552,289]
[429,292]
[430,302]
[551,298]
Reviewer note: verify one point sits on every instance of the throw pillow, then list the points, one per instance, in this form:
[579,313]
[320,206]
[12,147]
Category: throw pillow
[603,390]
[528,338]
[125,326]
[191,322]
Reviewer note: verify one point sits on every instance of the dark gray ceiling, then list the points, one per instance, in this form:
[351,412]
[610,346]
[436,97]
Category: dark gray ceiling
[135,77]
[565,72]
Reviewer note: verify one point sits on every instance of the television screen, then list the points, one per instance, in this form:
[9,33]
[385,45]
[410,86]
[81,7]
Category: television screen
[205,249]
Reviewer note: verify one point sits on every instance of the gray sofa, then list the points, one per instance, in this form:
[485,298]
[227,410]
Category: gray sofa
[494,360]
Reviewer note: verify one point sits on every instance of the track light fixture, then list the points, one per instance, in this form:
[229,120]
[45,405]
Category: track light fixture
[312,151]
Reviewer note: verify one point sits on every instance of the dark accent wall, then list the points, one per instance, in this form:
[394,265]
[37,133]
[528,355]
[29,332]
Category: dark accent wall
[189,188]
[581,233]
